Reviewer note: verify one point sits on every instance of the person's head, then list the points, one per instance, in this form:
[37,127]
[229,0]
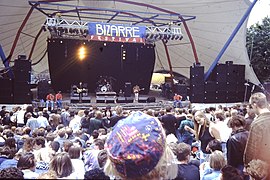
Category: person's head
[55,145]
[48,175]
[61,164]
[95,134]
[137,149]
[39,142]
[217,160]
[220,116]
[214,145]
[96,173]
[28,144]
[258,101]
[66,145]
[102,158]
[74,152]
[61,133]
[257,169]
[27,161]
[118,110]
[99,144]
[11,173]
[10,142]
[237,122]
[183,152]
[230,173]
[98,114]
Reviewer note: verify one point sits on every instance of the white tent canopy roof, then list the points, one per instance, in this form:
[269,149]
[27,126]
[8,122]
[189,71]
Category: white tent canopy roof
[214,23]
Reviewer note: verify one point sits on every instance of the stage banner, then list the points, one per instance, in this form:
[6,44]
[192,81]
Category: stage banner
[116,33]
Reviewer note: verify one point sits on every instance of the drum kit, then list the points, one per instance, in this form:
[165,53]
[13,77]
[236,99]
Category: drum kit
[104,84]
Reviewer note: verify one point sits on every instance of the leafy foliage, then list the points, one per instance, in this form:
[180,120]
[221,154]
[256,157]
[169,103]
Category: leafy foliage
[258,47]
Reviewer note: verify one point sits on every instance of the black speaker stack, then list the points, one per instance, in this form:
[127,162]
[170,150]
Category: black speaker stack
[21,85]
[17,90]
[128,89]
[225,84]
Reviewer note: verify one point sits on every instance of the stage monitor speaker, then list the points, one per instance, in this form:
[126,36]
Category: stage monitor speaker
[100,99]
[142,99]
[129,99]
[151,99]
[86,99]
[121,100]
[128,89]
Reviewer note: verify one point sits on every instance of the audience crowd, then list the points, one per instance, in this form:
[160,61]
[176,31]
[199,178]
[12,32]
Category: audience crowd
[223,143]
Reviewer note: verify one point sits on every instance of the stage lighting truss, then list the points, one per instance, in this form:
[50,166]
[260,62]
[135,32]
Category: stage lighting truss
[59,27]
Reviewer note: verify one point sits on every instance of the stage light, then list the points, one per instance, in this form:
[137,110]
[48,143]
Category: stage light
[82,53]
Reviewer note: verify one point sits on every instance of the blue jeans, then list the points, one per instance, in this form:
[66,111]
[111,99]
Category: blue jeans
[49,103]
[59,104]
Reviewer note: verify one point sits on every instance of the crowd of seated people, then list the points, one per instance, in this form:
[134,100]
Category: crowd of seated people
[169,143]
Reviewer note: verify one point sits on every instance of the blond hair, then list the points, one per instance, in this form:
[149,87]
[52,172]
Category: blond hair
[217,160]
[257,169]
[259,99]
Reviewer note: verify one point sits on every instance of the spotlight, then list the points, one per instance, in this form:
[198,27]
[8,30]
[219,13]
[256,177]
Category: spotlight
[82,53]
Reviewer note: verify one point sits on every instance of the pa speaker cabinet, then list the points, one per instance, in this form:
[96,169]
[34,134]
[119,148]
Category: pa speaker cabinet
[151,99]
[142,99]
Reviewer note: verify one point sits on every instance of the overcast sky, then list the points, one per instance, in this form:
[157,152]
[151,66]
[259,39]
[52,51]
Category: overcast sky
[259,11]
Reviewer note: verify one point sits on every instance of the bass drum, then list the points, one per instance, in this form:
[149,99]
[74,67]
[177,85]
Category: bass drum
[103,88]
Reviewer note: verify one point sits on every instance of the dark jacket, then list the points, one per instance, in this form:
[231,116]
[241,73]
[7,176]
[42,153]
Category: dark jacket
[236,146]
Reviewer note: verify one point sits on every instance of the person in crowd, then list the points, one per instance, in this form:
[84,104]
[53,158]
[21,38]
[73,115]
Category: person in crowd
[67,144]
[258,170]
[237,142]
[137,149]
[205,131]
[258,143]
[58,100]
[169,121]
[250,118]
[42,121]
[61,138]
[177,101]
[11,173]
[3,112]
[118,116]
[65,116]
[85,121]
[230,173]
[75,123]
[50,101]
[27,145]
[40,151]
[186,170]
[216,162]
[96,122]
[31,122]
[29,109]
[61,165]
[48,175]
[223,129]
[75,155]
[91,154]
[27,164]
[186,136]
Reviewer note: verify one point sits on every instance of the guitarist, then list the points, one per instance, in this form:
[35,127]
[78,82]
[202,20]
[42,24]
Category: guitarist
[136,90]
[80,91]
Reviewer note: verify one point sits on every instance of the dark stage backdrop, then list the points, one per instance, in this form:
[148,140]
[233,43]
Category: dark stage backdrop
[101,60]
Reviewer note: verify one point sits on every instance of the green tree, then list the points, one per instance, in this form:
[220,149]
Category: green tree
[258,47]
